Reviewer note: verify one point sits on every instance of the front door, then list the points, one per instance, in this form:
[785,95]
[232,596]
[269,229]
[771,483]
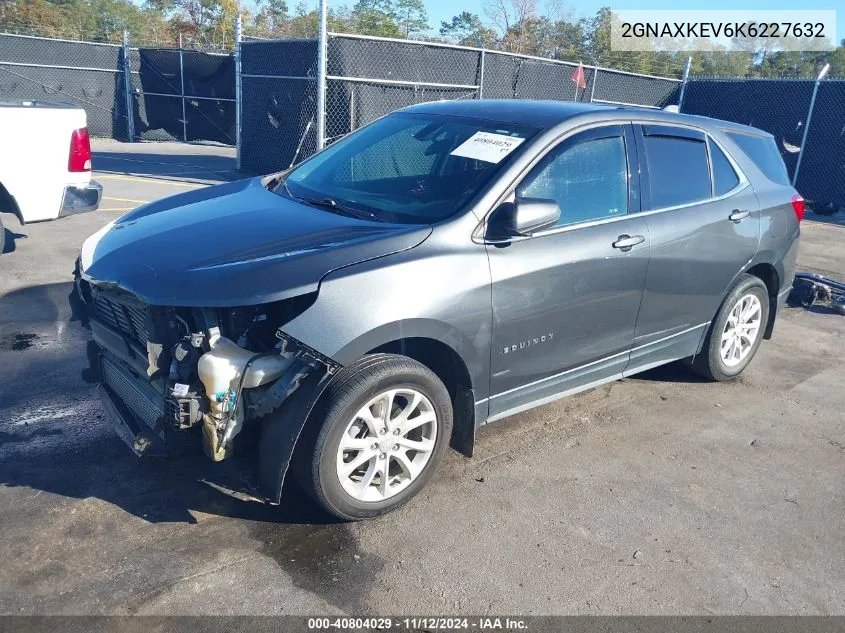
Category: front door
[565,299]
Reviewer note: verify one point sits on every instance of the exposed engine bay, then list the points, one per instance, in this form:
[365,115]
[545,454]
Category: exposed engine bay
[168,369]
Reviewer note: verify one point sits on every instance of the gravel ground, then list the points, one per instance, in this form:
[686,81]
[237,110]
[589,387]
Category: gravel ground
[660,494]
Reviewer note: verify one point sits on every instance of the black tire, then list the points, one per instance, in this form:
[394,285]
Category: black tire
[709,362]
[354,386]
[2,238]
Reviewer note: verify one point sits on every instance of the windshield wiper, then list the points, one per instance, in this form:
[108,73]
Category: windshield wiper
[326,203]
[331,203]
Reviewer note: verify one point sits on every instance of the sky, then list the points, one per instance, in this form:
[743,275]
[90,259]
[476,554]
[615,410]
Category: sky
[443,10]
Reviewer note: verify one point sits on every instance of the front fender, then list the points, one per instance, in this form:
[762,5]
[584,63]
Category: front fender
[434,291]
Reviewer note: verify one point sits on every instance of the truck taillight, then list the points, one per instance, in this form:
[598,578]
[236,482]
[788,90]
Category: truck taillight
[798,206]
[80,151]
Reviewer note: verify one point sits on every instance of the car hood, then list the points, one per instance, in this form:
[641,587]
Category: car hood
[233,244]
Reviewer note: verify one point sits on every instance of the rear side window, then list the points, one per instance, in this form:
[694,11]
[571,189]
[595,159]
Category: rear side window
[589,180]
[763,151]
[724,176]
[678,172]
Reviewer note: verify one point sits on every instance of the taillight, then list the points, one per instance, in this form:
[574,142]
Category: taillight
[798,206]
[80,151]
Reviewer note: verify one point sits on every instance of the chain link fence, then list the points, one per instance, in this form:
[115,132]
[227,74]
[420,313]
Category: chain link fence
[511,76]
[810,132]
[86,74]
[175,94]
[183,94]
[278,103]
[368,77]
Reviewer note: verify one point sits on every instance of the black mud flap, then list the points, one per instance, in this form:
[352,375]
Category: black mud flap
[463,433]
[280,432]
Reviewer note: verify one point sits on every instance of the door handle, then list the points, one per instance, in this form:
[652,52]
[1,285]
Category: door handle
[626,242]
[738,216]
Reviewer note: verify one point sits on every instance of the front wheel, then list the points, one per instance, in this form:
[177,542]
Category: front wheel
[736,333]
[383,426]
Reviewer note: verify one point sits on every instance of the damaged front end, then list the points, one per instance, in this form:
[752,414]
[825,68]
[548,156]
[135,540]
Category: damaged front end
[203,374]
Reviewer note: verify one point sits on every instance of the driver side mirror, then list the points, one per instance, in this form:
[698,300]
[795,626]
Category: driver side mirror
[523,217]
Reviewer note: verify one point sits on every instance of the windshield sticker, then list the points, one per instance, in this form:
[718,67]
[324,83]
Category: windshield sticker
[487,146]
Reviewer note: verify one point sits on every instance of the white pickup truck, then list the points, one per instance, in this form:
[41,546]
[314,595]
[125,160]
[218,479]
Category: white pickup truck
[45,165]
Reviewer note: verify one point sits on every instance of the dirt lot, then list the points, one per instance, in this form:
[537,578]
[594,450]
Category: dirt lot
[660,494]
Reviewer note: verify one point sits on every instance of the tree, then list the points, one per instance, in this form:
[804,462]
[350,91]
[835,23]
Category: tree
[466,29]
[513,19]
[569,38]
[272,17]
[410,15]
[375,17]
[719,64]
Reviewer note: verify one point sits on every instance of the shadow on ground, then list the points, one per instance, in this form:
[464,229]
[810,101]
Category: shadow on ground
[11,238]
[673,372]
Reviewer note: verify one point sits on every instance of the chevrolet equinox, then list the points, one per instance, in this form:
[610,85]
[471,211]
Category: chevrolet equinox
[446,266]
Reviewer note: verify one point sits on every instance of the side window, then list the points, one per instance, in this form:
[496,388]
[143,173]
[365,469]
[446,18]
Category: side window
[724,176]
[764,152]
[678,172]
[588,180]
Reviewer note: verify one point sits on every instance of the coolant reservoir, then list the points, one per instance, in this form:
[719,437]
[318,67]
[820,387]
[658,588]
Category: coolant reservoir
[220,369]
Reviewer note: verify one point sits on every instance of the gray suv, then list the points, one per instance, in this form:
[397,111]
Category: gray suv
[446,266]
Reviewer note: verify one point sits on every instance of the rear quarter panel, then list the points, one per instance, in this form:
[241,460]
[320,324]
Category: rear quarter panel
[779,226]
[779,231]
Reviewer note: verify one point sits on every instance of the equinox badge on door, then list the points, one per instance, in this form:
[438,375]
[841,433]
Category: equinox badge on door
[537,340]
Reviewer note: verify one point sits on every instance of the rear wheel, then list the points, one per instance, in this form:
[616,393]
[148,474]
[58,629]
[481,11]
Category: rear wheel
[383,426]
[736,333]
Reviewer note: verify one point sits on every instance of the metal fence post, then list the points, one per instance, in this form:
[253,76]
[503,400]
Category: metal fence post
[127,87]
[352,108]
[684,83]
[322,50]
[809,118]
[481,75]
[238,91]
[182,89]
[595,79]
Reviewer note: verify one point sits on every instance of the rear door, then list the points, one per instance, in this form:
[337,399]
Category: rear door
[704,225]
[565,300]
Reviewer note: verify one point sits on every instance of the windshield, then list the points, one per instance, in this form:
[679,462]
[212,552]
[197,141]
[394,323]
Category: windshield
[407,168]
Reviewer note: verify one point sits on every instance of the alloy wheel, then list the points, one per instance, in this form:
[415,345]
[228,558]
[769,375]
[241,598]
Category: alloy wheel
[386,445]
[741,330]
